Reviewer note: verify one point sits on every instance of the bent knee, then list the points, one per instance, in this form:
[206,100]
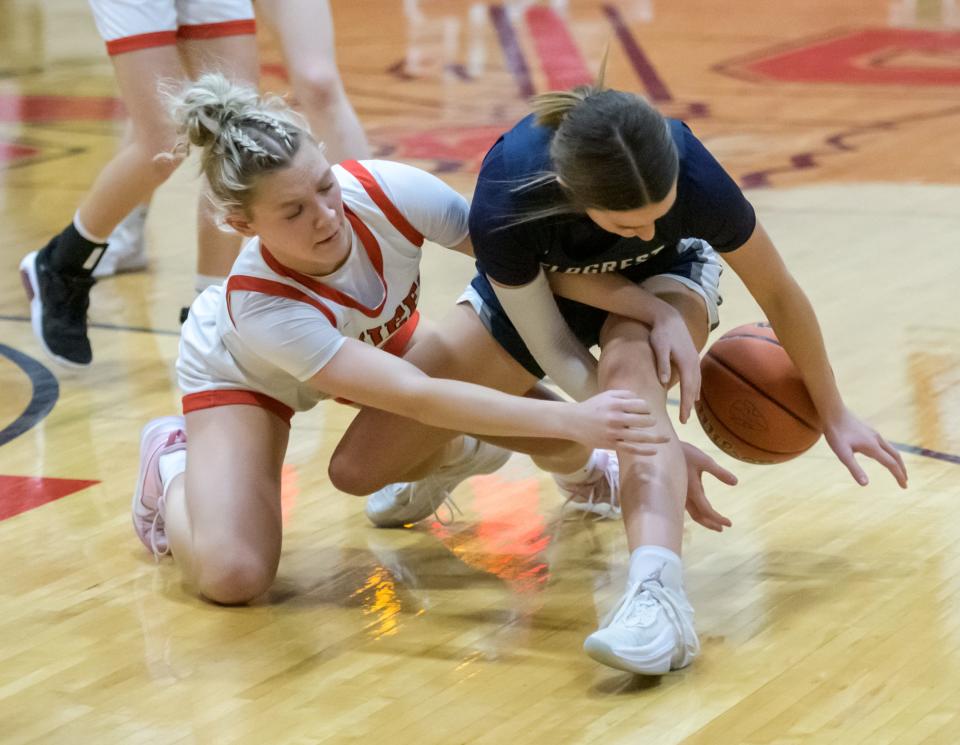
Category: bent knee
[233,576]
[155,169]
[318,88]
[353,477]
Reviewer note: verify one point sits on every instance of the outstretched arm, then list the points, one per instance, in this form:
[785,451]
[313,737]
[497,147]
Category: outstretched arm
[792,317]
[372,377]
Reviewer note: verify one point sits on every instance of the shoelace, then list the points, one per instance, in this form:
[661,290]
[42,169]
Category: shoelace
[452,508]
[175,437]
[157,553]
[641,600]
[588,489]
[76,295]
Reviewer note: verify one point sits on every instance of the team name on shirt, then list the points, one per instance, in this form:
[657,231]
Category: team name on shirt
[379,334]
[605,266]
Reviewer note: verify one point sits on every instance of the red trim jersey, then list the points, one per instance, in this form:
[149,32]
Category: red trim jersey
[269,329]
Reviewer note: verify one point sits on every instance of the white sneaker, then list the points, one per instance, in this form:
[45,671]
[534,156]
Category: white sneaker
[396,505]
[650,632]
[126,250]
[600,496]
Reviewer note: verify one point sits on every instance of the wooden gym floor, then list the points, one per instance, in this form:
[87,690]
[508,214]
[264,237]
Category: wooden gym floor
[830,613]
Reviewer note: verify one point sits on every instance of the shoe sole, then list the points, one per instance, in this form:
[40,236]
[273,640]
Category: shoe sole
[28,276]
[601,511]
[141,475]
[382,522]
[603,654]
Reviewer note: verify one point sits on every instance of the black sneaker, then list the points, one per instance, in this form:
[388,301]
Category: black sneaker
[58,310]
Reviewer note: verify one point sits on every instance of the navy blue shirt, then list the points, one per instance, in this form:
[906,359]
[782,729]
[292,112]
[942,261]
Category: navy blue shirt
[709,206]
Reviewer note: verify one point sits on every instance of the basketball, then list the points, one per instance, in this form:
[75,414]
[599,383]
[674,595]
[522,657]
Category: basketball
[753,403]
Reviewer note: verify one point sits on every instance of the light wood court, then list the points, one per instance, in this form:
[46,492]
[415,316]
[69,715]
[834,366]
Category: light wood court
[830,613]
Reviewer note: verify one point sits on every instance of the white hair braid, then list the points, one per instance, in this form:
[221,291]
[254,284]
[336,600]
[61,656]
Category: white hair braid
[241,140]
[273,124]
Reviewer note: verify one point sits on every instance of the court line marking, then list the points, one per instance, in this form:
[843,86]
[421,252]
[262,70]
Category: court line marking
[654,85]
[901,446]
[107,326]
[46,391]
[512,51]
[47,380]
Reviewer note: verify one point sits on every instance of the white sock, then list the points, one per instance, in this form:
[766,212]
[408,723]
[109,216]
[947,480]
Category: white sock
[468,448]
[203,281]
[657,560]
[171,465]
[82,230]
[587,473]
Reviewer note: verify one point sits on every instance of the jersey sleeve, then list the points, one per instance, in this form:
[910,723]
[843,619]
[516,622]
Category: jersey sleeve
[715,208]
[505,252]
[431,206]
[294,336]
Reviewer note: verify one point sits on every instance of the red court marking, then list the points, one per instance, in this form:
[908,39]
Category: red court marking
[21,493]
[10,152]
[510,536]
[276,70]
[449,148]
[867,57]
[289,491]
[47,109]
[561,59]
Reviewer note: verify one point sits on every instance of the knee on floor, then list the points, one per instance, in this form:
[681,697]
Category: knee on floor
[232,575]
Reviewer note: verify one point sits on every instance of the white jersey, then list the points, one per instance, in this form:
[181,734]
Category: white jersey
[269,329]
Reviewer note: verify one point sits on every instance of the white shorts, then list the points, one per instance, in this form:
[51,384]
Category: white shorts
[132,25]
[210,376]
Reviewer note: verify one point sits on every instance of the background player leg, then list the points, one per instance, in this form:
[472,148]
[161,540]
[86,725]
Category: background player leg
[58,277]
[236,58]
[127,241]
[305,31]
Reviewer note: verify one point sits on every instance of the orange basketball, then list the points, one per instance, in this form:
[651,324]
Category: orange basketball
[753,403]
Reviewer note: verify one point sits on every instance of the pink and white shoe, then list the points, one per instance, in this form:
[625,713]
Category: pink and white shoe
[159,437]
[600,496]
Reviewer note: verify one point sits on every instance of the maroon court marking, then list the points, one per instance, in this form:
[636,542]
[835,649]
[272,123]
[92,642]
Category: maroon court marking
[21,493]
[838,144]
[559,55]
[652,82]
[512,53]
